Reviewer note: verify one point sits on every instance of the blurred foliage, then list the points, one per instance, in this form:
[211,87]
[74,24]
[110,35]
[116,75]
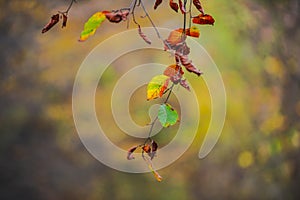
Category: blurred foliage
[255,44]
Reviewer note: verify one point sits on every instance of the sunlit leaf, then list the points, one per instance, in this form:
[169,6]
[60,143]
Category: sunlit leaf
[167,115]
[54,20]
[204,19]
[194,32]
[157,86]
[91,25]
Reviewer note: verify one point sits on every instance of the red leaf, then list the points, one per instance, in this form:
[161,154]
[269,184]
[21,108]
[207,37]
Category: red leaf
[198,5]
[173,5]
[188,64]
[157,3]
[54,19]
[203,19]
[143,36]
[130,151]
[65,19]
[181,6]
[184,84]
[116,16]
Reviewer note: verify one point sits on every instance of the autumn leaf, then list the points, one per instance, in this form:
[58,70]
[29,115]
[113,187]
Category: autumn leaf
[175,73]
[198,5]
[65,19]
[188,64]
[157,3]
[91,25]
[143,36]
[167,115]
[181,6]
[116,16]
[204,19]
[155,173]
[130,152]
[185,84]
[146,148]
[175,37]
[193,31]
[174,5]
[154,147]
[54,20]
[157,86]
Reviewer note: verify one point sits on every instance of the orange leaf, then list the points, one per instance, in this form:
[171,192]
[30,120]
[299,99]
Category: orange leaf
[203,19]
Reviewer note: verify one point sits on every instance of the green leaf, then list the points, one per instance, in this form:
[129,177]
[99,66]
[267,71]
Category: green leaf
[167,115]
[91,25]
[157,86]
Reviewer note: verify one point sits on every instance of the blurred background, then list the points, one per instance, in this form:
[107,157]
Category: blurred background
[255,44]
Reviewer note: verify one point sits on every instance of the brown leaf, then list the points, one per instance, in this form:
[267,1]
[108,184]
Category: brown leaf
[185,84]
[157,3]
[188,64]
[130,152]
[181,6]
[65,19]
[116,16]
[54,19]
[143,36]
[154,147]
[204,19]
[173,5]
[198,5]
[175,73]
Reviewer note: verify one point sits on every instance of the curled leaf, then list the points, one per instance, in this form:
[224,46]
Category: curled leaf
[174,5]
[182,7]
[157,86]
[154,147]
[204,19]
[143,36]
[188,64]
[117,16]
[91,25]
[167,115]
[130,152]
[198,5]
[175,73]
[65,19]
[193,32]
[157,176]
[54,20]
[157,3]
[185,84]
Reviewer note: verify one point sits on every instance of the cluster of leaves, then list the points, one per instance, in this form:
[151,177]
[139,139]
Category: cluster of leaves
[173,74]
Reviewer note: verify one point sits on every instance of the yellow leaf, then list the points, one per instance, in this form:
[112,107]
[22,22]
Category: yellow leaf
[157,86]
[91,25]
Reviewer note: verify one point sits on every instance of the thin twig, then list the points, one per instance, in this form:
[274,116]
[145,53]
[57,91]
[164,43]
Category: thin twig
[70,6]
[148,16]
